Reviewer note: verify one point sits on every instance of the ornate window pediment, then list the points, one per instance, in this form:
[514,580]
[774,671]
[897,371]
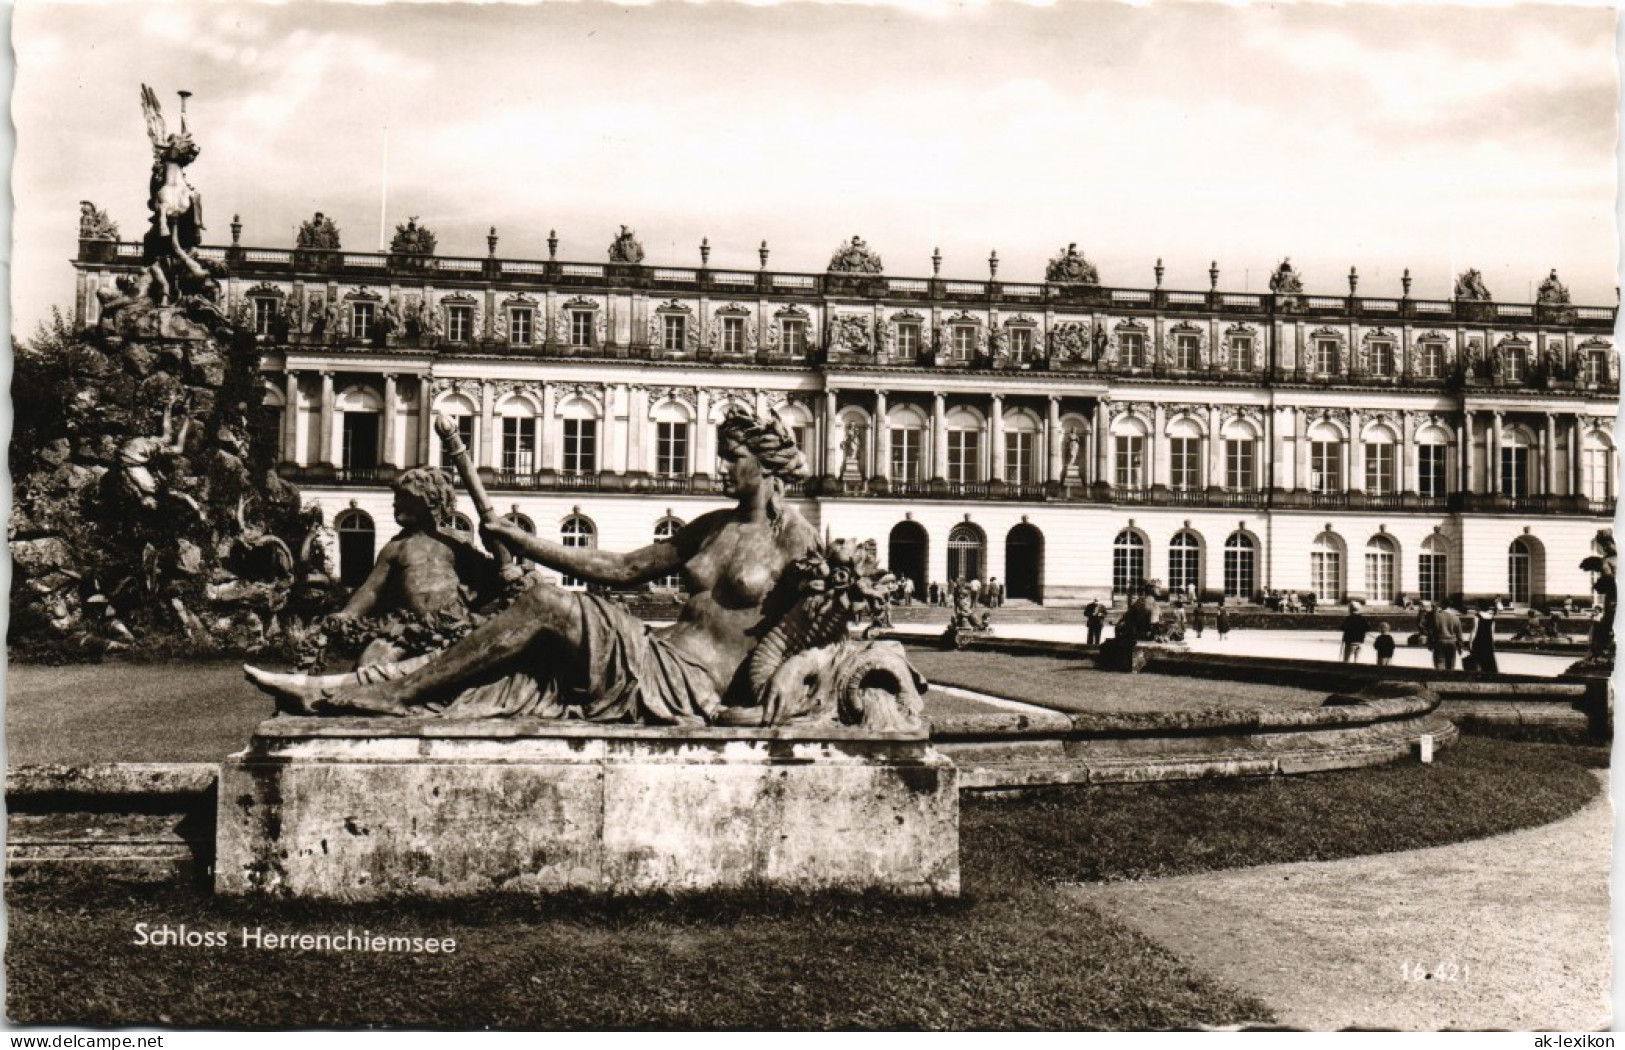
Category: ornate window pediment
[265,291]
[362,294]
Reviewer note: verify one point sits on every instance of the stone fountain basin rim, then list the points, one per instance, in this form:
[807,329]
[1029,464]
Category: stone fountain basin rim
[297,727]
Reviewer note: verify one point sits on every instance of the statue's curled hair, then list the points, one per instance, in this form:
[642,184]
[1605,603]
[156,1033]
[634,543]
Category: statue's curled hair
[768,439]
[434,487]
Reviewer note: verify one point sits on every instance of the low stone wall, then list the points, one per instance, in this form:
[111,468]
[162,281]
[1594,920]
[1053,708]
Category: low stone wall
[358,809]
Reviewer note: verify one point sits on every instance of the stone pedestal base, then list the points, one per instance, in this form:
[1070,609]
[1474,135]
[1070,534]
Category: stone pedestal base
[365,808]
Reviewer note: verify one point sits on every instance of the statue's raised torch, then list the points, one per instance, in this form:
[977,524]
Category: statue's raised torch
[457,452]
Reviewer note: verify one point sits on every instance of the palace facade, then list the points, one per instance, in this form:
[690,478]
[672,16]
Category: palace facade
[1066,437]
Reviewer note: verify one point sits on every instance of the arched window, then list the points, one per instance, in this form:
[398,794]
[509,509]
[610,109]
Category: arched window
[1326,568]
[461,522]
[1240,557]
[1381,570]
[1515,461]
[665,531]
[577,531]
[907,553]
[1433,569]
[967,553]
[1185,455]
[356,542]
[1381,461]
[1128,562]
[1521,571]
[1597,467]
[1432,463]
[1184,563]
[523,524]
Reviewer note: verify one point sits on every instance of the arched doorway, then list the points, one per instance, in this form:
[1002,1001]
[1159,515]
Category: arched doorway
[356,541]
[1185,564]
[1526,571]
[967,553]
[1381,570]
[1128,563]
[1240,559]
[1024,563]
[906,552]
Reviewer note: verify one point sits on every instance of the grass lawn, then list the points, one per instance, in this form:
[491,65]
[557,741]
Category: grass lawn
[1073,685]
[1012,953]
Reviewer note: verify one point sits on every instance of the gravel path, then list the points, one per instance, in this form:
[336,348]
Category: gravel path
[1510,932]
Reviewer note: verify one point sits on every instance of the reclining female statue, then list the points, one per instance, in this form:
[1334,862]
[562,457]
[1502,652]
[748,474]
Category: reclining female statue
[556,652]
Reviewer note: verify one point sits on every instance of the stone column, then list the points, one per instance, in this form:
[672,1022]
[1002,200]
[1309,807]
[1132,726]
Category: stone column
[638,459]
[545,427]
[1055,444]
[391,419]
[1159,445]
[704,452]
[1493,453]
[1304,472]
[1215,450]
[939,436]
[290,417]
[1405,459]
[1548,464]
[832,431]
[1356,472]
[881,445]
[995,458]
[1575,480]
[325,452]
[426,436]
[1468,440]
[486,438]
[1103,441]
[1280,467]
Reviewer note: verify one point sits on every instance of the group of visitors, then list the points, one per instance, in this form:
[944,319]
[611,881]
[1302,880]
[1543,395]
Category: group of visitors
[1450,632]
[990,594]
[1096,613]
[1221,620]
[1290,601]
[1355,627]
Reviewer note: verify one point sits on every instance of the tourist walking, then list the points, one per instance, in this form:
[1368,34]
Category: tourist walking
[1355,628]
[1198,619]
[1223,623]
[1446,634]
[1483,643]
[1383,646]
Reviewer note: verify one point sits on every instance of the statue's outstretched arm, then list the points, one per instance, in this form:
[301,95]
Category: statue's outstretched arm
[590,563]
[365,598]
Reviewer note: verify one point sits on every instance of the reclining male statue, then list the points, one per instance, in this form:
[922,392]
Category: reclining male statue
[560,653]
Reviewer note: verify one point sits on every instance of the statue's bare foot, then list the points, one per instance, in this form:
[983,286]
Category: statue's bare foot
[339,694]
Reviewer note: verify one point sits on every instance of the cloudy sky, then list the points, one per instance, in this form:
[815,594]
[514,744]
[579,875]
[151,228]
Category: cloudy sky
[1380,137]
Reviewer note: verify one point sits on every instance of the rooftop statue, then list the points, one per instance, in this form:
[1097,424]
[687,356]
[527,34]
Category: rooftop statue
[318,234]
[855,258]
[1285,280]
[1470,286]
[754,571]
[625,247]
[94,224]
[1552,292]
[173,270]
[412,239]
[1070,267]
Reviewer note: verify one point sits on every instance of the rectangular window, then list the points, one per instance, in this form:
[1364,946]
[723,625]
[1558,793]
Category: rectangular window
[1596,367]
[1131,461]
[1133,344]
[1187,352]
[518,445]
[964,455]
[1431,579]
[459,323]
[733,335]
[906,446]
[1326,362]
[1430,360]
[1514,471]
[1379,469]
[1326,466]
[1021,343]
[1239,466]
[793,336]
[1595,477]
[674,333]
[908,340]
[580,446]
[361,318]
[264,315]
[1516,360]
[1430,471]
[581,328]
[1185,463]
[964,341]
[521,326]
[1241,354]
[671,449]
[1018,456]
[804,440]
[1382,359]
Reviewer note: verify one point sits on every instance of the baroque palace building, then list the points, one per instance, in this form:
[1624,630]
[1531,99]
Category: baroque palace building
[1066,437]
